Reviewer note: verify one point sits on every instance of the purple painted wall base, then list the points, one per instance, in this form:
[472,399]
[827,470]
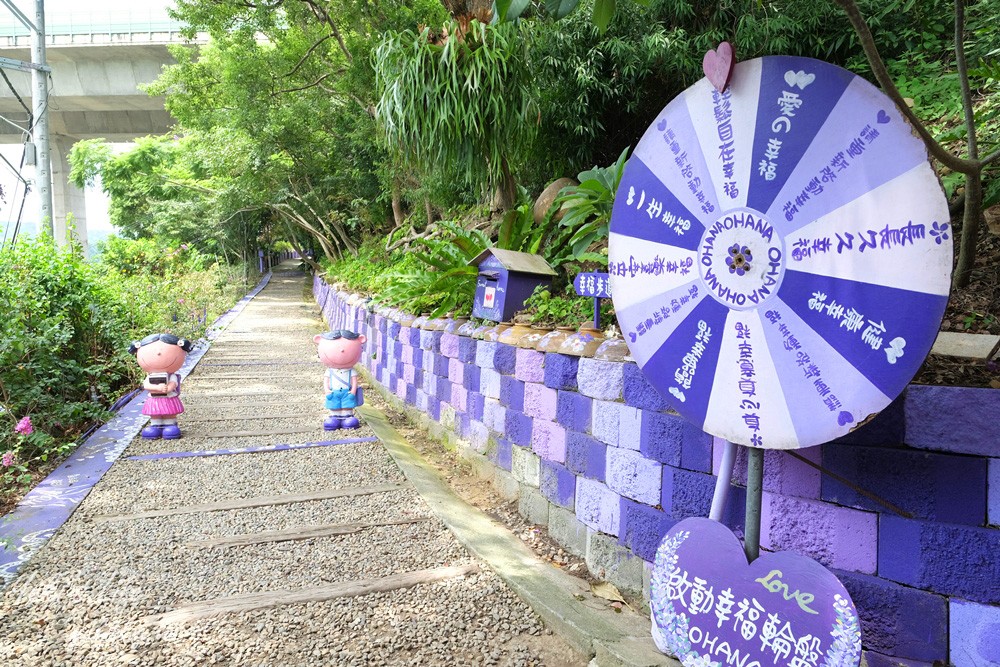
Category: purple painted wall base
[598,444]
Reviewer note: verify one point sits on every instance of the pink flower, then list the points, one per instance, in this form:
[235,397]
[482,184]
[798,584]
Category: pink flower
[8,459]
[24,426]
[180,301]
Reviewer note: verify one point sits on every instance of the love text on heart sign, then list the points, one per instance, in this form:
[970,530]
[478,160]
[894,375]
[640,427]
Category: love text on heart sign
[712,609]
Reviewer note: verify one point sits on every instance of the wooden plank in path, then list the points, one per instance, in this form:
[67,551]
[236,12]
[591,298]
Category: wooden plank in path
[311,412]
[300,533]
[246,434]
[263,501]
[196,611]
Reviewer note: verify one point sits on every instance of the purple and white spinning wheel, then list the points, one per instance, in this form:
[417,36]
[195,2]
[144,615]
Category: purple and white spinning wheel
[780,253]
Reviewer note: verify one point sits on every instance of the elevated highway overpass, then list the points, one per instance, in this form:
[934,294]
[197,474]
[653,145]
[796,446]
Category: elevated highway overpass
[98,65]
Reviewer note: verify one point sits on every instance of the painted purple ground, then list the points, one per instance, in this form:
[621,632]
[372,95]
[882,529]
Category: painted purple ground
[46,507]
[249,450]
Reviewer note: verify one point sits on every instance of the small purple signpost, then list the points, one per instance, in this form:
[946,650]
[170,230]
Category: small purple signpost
[596,285]
[711,608]
[780,259]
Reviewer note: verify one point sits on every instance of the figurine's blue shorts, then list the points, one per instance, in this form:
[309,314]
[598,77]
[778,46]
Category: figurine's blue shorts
[342,398]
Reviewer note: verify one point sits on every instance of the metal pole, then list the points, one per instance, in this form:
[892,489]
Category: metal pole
[40,128]
[755,490]
[597,312]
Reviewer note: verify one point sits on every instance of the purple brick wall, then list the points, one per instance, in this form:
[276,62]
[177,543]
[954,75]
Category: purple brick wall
[600,442]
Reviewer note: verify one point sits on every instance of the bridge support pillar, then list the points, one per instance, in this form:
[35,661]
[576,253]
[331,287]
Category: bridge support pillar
[68,201]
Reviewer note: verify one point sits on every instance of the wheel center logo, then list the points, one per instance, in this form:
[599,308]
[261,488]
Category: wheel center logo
[741,259]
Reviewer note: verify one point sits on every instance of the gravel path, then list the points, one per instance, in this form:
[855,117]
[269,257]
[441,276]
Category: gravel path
[85,598]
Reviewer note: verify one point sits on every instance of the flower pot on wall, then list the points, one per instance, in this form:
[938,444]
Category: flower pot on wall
[480,331]
[530,340]
[455,325]
[467,328]
[419,322]
[583,343]
[514,334]
[551,341]
[613,349]
[492,334]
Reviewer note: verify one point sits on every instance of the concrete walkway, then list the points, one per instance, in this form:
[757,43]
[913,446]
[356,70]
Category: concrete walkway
[260,539]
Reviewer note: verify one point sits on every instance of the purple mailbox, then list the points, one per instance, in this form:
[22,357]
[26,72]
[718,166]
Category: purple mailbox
[506,279]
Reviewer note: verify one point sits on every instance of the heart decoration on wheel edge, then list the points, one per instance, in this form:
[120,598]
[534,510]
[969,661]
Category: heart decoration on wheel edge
[718,65]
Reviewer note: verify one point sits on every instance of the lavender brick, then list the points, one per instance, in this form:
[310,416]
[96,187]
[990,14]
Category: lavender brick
[637,391]
[560,371]
[410,395]
[873,659]
[485,354]
[463,424]
[540,401]
[422,400]
[418,377]
[953,419]
[428,361]
[476,405]
[951,489]
[478,435]
[494,415]
[455,370]
[409,373]
[585,455]
[530,365]
[406,336]
[993,510]
[449,345]
[897,620]
[642,528]
[557,484]
[467,350]
[501,454]
[489,383]
[605,422]
[598,506]
[631,475]
[975,634]
[400,388]
[548,440]
[397,349]
[459,397]
[784,474]
[417,357]
[573,411]
[662,437]
[836,536]
[518,427]
[512,393]
[887,429]
[600,379]
[470,377]
[505,359]
[684,493]
[441,365]
[392,331]
[430,340]
[629,427]
[443,390]
[434,408]
[407,355]
[943,558]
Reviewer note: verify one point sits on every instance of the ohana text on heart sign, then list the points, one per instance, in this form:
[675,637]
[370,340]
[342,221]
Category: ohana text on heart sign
[712,609]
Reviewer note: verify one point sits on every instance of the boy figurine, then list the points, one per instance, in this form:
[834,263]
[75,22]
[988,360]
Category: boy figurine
[339,351]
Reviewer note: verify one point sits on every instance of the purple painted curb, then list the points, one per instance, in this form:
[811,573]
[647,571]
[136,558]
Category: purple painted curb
[47,507]
[248,450]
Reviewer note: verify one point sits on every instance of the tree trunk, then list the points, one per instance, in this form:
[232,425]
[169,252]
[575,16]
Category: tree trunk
[398,215]
[506,194]
[970,230]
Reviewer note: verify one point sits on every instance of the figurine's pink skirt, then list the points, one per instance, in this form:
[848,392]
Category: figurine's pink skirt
[158,406]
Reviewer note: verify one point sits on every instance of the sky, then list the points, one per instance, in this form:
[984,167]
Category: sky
[59,11]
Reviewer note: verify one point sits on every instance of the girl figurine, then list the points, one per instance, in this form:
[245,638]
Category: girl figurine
[161,356]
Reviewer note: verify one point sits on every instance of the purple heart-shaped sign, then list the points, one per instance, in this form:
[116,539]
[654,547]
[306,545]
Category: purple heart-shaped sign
[882,117]
[845,418]
[718,65]
[711,607]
